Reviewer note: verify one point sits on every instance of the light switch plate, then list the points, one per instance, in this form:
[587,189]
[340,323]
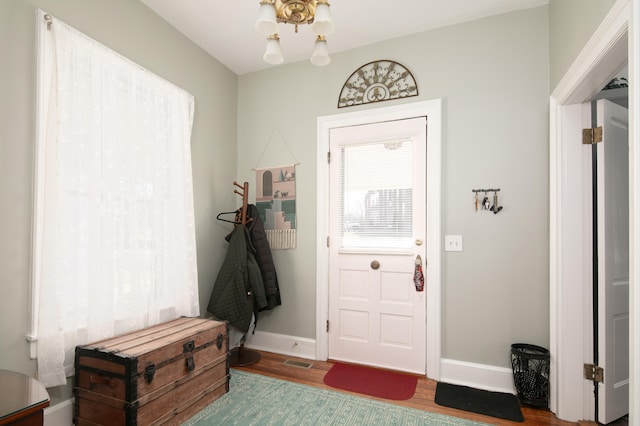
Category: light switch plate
[453,243]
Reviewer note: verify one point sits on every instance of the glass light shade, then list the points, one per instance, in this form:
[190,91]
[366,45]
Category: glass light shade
[320,55]
[266,23]
[273,52]
[322,23]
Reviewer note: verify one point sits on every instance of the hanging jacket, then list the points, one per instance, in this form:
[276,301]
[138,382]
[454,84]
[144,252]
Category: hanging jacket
[264,257]
[238,292]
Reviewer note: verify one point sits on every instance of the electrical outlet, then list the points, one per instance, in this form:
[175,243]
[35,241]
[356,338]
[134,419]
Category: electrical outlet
[453,243]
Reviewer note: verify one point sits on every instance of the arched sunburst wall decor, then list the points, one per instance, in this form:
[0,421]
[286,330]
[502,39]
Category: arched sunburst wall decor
[377,81]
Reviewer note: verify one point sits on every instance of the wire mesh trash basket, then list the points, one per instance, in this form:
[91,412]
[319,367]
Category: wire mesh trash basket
[530,365]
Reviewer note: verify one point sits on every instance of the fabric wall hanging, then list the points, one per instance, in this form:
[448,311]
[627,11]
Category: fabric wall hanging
[377,81]
[276,202]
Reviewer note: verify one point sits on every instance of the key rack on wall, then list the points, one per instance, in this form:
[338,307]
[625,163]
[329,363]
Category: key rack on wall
[485,204]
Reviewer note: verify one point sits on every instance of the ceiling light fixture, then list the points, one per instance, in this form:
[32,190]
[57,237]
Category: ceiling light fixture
[296,12]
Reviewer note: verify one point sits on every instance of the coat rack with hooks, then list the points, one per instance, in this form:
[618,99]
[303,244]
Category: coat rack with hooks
[247,282]
[485,204]
[238,356]
[241,356]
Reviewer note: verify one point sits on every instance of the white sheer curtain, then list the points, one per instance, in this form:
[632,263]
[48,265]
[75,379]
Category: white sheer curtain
[114,229]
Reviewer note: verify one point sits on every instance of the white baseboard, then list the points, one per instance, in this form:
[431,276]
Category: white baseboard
[477,376]
[300,347]
[60,414]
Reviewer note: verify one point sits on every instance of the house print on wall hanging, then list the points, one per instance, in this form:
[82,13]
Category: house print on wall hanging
[276,202]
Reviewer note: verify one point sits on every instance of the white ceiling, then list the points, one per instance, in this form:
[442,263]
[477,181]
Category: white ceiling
[225,29]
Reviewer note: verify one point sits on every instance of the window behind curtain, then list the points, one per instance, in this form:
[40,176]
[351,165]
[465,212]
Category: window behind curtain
[114,233]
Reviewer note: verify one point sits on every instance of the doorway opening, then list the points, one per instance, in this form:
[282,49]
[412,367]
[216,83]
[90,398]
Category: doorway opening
[570,288]
[607,195]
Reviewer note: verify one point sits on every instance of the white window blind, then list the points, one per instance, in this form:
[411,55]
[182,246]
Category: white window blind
[114,231]
[376,201]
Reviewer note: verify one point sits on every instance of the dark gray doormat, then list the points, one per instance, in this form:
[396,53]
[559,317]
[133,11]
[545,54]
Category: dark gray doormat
[495,404]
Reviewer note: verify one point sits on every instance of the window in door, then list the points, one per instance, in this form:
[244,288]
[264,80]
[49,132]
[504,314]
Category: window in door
[376,200]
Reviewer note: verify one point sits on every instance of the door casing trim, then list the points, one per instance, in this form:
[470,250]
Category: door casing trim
[432,109]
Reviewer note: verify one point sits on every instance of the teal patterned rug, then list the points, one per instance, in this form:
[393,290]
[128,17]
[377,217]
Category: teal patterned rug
[260,400]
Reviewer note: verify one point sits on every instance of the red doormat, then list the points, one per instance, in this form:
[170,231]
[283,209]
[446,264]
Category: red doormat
[371,381]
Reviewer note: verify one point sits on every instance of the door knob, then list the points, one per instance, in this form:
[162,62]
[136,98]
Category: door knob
[375,264]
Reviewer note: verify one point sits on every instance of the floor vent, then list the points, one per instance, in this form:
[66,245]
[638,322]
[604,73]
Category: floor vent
[298,364]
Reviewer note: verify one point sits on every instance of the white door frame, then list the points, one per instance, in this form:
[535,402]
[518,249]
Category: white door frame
[570,338]
[433,111]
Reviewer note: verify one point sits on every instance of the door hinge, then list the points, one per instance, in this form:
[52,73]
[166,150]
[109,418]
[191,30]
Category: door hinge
[594,373]
[328,241]
[591,136]
[327,326]
[329,157]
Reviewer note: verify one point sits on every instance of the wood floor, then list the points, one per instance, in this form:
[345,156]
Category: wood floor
[273,365]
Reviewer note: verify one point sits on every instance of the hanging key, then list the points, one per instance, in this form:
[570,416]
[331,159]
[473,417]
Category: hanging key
[495,208]
[485,202]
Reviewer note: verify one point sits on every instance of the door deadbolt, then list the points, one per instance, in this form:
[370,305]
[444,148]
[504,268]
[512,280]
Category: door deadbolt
[418,242]
[375,264]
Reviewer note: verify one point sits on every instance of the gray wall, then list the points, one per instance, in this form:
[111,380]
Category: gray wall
[133,30]
[571,25]
[493,75]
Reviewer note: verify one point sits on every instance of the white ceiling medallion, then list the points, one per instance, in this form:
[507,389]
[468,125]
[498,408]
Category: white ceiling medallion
[377,81]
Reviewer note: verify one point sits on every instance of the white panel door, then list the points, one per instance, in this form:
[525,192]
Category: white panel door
[377,231]
[613,260]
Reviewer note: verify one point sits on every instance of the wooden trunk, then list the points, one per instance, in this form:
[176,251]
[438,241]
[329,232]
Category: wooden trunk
[160,375]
